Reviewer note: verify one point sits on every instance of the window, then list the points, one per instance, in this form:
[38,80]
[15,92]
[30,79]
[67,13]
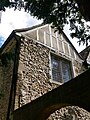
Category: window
[61,69]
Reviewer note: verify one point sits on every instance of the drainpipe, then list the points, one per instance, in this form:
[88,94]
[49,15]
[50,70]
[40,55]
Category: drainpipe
[14,76]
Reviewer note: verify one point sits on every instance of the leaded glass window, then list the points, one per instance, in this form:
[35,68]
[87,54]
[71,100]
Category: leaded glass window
[61,69]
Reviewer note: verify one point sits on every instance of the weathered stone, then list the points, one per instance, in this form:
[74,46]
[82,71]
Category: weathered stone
[70,113]
[36,76]
[5,87]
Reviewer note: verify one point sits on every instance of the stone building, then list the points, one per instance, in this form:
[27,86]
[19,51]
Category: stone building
[43,60]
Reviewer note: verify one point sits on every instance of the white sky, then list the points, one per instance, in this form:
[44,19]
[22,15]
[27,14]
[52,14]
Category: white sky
[11,20]
[19,19]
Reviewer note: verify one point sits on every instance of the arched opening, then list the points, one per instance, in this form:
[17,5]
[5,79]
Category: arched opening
[70,113]
[46,112]
[64,112]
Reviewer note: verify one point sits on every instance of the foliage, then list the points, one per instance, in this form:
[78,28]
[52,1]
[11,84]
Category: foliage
[3,4]
[57,12]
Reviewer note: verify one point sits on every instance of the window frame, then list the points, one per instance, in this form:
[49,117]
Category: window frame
[62,58]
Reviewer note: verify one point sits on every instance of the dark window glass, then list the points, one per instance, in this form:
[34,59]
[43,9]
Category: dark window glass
[61,69]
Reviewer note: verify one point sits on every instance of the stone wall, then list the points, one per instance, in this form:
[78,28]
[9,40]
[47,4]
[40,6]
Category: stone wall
[5,86]
[70,113]
[34,73]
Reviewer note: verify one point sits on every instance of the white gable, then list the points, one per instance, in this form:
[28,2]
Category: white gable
[55,41]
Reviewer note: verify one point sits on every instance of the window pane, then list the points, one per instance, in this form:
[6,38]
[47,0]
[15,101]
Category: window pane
[66,74]
[56,70]
[61,69]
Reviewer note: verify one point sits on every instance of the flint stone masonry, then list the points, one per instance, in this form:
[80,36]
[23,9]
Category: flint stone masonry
[5,87]
[34,79]
[33,72]
[71,93]
[70,113]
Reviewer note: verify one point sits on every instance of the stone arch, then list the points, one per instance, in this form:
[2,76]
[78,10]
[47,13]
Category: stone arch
[48,111]
[42,107]
[70,113]
[57,105]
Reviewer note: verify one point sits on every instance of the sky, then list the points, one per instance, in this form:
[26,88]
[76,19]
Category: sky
[11,20]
